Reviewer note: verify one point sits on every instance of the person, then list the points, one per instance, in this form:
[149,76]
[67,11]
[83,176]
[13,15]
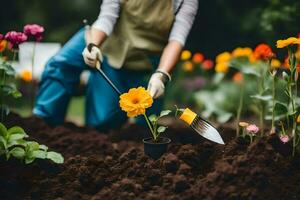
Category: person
[138,42]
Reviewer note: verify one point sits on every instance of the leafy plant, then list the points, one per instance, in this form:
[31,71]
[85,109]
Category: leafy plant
[13,143]
[157,130]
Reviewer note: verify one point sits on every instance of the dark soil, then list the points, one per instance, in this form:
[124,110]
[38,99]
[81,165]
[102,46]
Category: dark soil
[112,166]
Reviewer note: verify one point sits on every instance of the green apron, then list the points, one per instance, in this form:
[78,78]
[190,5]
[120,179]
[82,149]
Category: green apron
[141,31]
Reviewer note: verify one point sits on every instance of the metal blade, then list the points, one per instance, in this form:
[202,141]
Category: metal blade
[207,131]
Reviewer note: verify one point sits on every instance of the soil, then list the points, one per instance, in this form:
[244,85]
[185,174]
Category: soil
[112,166]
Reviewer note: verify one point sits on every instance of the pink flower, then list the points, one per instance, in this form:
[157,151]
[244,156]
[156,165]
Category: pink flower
[1,36]
[15,38]
[252,128]
[284,138]
[34,30]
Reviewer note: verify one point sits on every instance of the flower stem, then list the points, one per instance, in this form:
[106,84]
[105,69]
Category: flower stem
[239,111]
[150,126]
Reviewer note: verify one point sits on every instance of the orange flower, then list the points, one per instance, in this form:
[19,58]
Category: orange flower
[223,57]
[275,63]
[264,52]
[207,64]
[3,44]
[136,101]
[198,58]
[286,63]
[188,66]
[26,75]
[237,77]
[298,68]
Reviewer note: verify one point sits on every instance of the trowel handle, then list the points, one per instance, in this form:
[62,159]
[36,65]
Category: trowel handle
[98,68]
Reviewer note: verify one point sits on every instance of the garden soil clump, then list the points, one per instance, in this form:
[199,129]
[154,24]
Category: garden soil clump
[112,166]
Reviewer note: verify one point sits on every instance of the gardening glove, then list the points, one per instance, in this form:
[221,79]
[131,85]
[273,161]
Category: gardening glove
[91,54]
[156,85]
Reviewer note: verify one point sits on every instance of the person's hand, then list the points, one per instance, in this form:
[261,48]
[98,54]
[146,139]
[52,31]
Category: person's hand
[91,55]
[156,85]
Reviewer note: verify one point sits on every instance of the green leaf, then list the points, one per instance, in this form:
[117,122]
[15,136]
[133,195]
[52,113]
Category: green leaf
[29,160]
[250,71]
[3,130]
[16,142]
[39,154]
[161,129]
[18,152]
[165,113]
[3,142]
[16,130]
[153,118]
[33,146]
[55,157]
[43,147]
[262,97]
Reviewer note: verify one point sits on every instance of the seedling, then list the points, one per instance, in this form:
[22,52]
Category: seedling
[13,143]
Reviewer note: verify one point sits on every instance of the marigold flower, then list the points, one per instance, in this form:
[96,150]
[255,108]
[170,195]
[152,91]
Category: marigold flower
[243,124]
[222,67]
[264,52]
[298,119]
[286,63]
[188,116]
[3,44]
[34,30]
[275,63]
[186,55]
[223,57]
[284,138]
[198,58]
[252,129]
[136,101]
[207,64]
[188,66]
[287,42]
[26,75]
[15,38]
[242,52]
[237,77]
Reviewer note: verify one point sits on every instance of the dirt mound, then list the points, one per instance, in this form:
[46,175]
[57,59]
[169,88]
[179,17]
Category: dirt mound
[113,166]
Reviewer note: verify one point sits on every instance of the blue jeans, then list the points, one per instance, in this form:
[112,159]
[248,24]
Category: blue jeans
[61,77]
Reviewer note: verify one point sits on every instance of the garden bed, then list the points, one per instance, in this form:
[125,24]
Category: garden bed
[112,166]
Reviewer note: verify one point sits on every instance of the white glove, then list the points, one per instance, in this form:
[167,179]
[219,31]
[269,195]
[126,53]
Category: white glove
[156,85]
[91,54]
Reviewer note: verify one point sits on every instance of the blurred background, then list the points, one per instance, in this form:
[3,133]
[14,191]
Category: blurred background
[220,26]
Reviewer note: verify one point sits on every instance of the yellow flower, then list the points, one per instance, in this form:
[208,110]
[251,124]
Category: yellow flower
[223,57]
[26,75]
[188,116]
[298,119]
[222,67]
[186,55]
[136,101]
[188,66]
[242,52]
[290,41]
[275,63]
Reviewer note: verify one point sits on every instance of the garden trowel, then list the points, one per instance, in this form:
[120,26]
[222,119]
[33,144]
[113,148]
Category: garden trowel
[200,125]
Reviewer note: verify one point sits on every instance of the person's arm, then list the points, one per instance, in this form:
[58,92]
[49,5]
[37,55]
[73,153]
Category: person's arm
[100,30]
[180,30]
[183,23]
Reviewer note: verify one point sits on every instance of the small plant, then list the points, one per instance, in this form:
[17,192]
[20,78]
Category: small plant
[249,130]
[13,143]
[135,103]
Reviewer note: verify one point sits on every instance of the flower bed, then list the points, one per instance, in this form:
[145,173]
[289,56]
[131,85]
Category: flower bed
[112,166]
